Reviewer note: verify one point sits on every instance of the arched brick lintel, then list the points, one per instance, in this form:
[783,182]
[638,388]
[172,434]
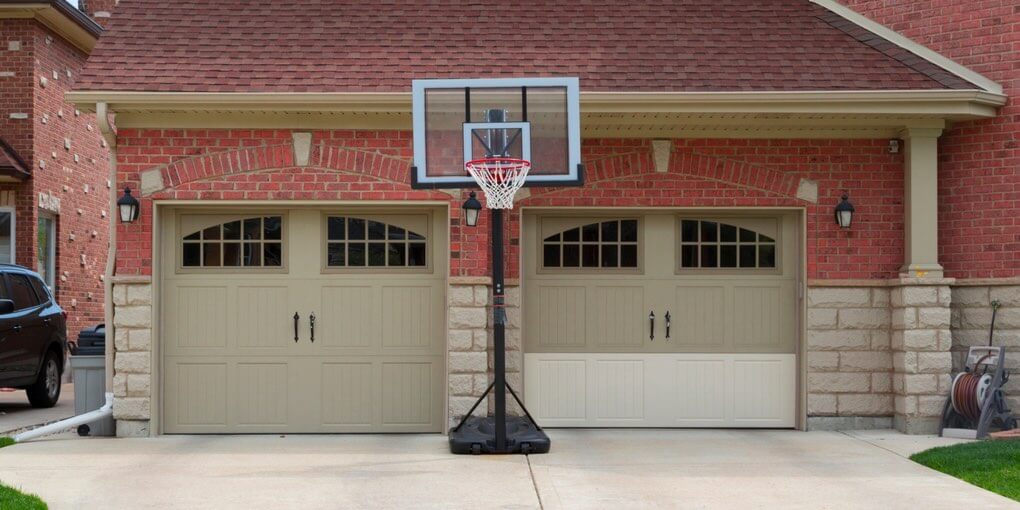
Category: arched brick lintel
[256,159]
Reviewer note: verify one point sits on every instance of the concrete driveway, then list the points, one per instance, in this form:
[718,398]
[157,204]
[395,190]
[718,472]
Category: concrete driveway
[586,469]
[16,413]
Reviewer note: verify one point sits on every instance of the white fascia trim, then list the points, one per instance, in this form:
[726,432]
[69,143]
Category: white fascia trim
[910,45]
[591,102]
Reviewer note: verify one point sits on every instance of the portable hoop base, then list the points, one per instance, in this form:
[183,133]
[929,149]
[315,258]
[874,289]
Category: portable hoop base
[500,178]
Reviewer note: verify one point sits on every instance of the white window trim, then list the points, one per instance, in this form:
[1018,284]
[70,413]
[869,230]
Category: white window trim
[51,272]
[14,231]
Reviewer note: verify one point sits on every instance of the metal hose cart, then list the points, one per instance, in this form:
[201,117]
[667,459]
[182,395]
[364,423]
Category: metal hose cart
[976,401]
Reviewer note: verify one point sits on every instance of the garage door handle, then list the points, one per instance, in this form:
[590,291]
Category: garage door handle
[296,319]
[669,323]
[651,325]
[311,324]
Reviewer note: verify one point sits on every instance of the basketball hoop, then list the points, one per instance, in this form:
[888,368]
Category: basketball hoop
[499,178]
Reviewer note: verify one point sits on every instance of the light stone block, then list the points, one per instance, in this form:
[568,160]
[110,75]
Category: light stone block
[905,404]
[920,340]
[138,385]
[821,297]
[482,295]
[140,340]
[881,340]
[823,360]
[838,339]
[905,362]
[133,362]
[867,404]
[863,318]
[822,318]
[120,295]
[807,190]
[920,384]
[935,318]
[151,182]
[1005,295]
[461,295]
[934,362]
[864,361]
[880,298]
[914,296]
[132,428]
[838,382]
[970,296]
[467,362]
[467,318]
[903,318]
[132,317]
[460,340]
[131,408]
[462,384]
[821,404]
[881,383]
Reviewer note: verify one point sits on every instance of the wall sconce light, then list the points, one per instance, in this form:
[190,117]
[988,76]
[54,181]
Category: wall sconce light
[844,212]
[128,206]
[472,207]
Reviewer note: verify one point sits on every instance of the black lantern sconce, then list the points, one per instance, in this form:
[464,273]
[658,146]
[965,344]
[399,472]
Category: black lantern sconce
[472,207]
[844,212]
[128,206]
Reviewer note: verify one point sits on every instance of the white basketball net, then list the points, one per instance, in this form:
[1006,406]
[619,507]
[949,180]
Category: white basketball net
[499,178]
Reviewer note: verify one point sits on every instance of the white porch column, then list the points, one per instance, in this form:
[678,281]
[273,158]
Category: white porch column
[921,203]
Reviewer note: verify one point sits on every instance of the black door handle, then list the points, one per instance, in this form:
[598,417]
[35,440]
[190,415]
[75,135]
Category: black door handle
[296,319]
[311,323]
[651,327]
[47,321]
[669,322]
[17,328]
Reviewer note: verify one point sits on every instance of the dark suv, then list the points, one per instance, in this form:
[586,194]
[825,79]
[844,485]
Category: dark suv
[33,336]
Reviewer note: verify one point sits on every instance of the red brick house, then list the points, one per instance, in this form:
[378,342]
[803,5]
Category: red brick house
[53,160]
[259,137]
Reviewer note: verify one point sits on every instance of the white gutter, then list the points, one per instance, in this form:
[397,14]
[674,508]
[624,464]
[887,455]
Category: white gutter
[62,425]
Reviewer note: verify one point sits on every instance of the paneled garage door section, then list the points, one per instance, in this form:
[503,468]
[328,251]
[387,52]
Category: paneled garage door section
[302,320]
[661,320]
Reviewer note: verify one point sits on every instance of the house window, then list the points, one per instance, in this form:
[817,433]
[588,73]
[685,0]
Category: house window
[611,244]
[6,235]
[46,249]
[359,242]
[249,242]
[708,244]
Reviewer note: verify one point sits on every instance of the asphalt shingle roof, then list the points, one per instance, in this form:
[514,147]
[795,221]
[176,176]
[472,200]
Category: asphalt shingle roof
[334,46]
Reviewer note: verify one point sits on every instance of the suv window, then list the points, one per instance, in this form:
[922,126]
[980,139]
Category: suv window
[40,290]
[21,291]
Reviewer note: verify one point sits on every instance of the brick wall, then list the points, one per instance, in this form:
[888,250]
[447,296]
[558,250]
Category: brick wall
[979,166]
[78,176]
[365,165]
[69,163]
[16,85]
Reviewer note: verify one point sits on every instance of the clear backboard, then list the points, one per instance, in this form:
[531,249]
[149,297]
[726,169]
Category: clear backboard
[534,119]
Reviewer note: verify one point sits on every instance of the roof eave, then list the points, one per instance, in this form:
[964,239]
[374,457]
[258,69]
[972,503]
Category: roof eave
[59,16]
[948,104]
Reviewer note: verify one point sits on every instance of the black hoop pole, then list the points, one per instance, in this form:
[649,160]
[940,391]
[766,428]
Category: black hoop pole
[498,329]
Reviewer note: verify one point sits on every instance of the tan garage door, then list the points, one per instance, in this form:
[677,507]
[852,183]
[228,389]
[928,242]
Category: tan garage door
[661,319]
[236,360]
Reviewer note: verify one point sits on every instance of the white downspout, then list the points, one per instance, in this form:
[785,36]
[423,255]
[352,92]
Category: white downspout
[103,120]
[74,421]
[107,410]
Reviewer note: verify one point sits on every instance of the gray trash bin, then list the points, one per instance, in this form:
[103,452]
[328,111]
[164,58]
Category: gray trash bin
[90,391]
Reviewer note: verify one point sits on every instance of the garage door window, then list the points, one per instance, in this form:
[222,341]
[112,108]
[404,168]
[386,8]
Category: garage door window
[611,244]
[360,242]
[706,244]
[249,242]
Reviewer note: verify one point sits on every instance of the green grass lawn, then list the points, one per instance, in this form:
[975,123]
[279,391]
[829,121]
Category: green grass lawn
[11,499]
[992,465]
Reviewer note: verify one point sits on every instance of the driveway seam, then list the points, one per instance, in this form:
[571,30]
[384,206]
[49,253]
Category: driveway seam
[534,483]
[880,447]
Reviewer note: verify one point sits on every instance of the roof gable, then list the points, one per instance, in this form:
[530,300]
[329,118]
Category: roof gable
[643,46]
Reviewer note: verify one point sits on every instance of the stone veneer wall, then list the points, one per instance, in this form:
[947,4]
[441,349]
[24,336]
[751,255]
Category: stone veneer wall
[971,316]
[849,358]
[467,344]
[133,360]
[921,341]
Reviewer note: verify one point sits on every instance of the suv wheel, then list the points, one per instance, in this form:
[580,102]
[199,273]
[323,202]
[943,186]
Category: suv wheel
[46,390]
